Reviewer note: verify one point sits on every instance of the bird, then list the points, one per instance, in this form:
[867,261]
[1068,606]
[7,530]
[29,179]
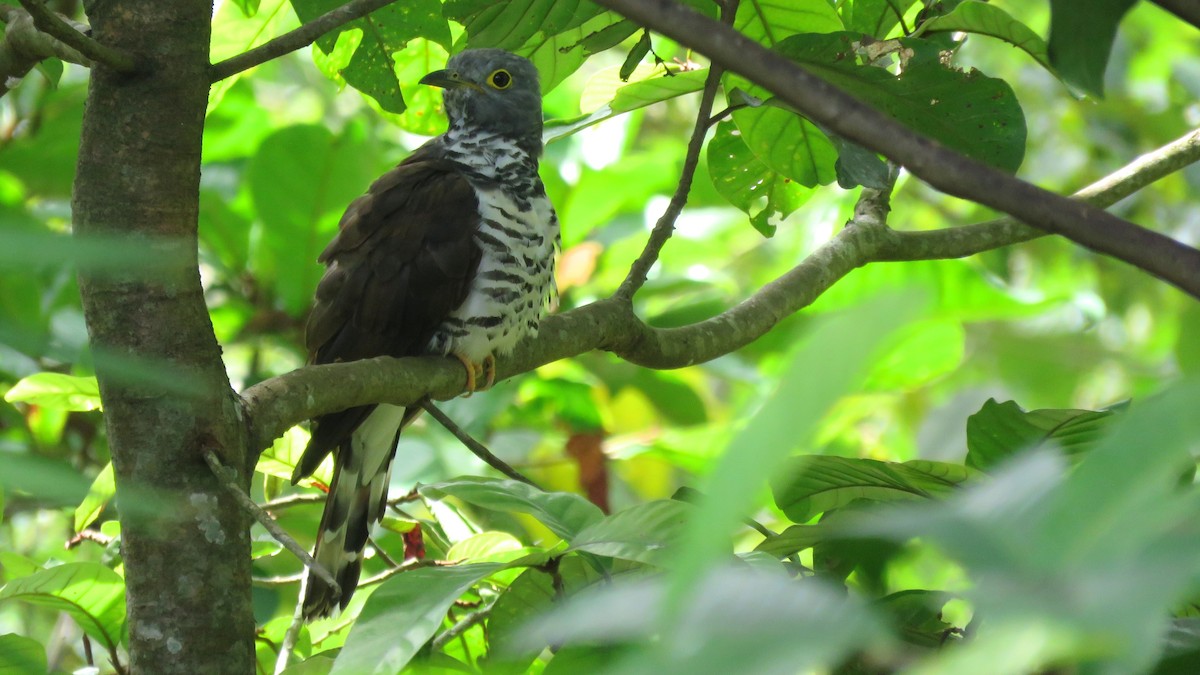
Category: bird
[451,253]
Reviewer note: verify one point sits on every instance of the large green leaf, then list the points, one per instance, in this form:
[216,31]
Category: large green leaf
[642,533]
[1000,430]
[606,96]
[385,32]
[793,540]
[20,655]
[235,31]
[876,18]
[752,186]
[1081,39]
[984,19]
[976,115]
[565,514]
[56,390]
[402,614]
[818,483]
[770,21]
[423,113]
[90,593]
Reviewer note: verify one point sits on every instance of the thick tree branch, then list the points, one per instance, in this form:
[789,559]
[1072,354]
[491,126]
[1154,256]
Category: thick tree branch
[944,169]
[280,402]
[301,37]
[665,227]
[55,26]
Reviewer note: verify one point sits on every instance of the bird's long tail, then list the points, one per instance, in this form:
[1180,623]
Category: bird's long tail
[357,499]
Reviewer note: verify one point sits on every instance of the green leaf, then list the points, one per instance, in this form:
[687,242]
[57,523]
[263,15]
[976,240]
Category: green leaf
[984,19]
[102,490]
[56,390]
[770,21]
[642,533]
[402,614]
[917,616]
[488,546]
[20,655]
[528,597]
[784,141]
[1081,39]
[385,32]
[793,540]
[876,18]
[565,514]
[235,31]
[918,354]
[749,184]
[976,115]
[1000,430]
[92,594]
[635,56]
[605,96]
[281,458]
[424,114]
[818,483]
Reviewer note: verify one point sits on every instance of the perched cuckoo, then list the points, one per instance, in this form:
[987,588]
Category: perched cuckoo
[451,253]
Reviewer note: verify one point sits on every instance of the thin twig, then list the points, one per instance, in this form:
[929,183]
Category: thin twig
[966,240]
[475,446]
[295,39]
[228,478]
[665,227]
[55,26]
[459,628]
[292,636]
[400,569]
[282,580]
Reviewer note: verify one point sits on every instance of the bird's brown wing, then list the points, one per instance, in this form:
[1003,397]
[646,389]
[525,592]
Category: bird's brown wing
[402,261]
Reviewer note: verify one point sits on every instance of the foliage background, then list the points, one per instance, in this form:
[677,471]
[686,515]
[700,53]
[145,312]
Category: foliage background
[1046,324]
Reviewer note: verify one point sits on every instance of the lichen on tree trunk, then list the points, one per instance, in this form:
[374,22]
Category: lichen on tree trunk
[163,385]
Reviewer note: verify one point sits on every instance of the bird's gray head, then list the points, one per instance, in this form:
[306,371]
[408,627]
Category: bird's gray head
[493,90]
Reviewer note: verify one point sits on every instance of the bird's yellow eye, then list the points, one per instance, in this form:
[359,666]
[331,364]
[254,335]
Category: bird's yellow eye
[500,79]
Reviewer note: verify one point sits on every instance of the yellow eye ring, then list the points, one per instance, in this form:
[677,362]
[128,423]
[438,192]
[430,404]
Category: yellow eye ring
[500,79]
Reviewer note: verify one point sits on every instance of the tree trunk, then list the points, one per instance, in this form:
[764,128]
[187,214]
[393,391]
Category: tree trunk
[166,396]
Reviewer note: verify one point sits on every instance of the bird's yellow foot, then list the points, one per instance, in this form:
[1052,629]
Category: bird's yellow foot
[474,370]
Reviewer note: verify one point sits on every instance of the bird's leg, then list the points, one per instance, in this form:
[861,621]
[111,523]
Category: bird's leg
[472,370]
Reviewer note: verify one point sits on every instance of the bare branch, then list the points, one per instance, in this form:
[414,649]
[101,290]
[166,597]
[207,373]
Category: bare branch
[296,39]
[55,26]
[944,169]
[665,227]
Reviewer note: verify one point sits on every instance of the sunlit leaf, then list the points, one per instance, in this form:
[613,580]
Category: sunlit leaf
[56,390]
[385,32]
[749,184]
[642,533]
[985,19]
[770,21]
[92,594]
[792,540]
[563,513]
[485,547]
[99,494]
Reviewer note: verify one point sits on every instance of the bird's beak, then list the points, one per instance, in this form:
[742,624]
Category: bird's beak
[447,79]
